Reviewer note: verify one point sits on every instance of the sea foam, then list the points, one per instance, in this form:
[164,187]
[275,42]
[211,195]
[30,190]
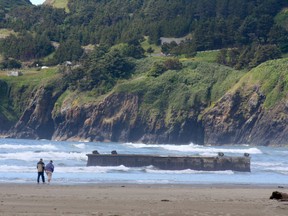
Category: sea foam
[198,149]
[21,147]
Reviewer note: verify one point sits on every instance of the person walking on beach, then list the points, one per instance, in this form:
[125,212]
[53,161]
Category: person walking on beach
[49,169]
[40,168]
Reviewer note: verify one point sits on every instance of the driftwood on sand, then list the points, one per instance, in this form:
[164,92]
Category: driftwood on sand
[279,196]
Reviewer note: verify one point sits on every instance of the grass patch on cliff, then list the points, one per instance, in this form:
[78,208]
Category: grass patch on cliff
[198,84]
[282,18]
[206,56]
[5,105]
[271,78]
[23,86]
[5,32]
[60,4]
[33,77]
[145,44]
[71,99]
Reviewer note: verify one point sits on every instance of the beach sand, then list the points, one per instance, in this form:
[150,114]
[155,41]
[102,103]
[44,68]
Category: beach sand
[136,200]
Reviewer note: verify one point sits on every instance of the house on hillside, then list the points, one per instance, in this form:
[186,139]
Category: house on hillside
[169,40]
[14,73]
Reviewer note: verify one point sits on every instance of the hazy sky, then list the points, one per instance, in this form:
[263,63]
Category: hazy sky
[36,2]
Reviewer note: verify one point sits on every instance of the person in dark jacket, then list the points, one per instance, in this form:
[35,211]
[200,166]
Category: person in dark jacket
[49,169]
[40,168]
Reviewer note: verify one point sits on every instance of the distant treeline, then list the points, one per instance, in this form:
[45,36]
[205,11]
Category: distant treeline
[241,25]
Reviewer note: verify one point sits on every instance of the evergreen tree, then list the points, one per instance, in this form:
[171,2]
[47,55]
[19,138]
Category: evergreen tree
[69,50]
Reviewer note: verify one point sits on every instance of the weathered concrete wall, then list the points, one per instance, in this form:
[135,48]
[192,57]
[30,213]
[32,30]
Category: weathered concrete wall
[241,164]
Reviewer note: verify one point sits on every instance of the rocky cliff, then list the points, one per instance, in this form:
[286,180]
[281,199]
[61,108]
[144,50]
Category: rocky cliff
[118,118]
[239,118]
[36,121]
[254,111]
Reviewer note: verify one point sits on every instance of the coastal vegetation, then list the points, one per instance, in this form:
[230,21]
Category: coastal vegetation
[81,53]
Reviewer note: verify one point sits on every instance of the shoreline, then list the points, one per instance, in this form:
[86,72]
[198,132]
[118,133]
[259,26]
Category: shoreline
[140,199]
[182,185]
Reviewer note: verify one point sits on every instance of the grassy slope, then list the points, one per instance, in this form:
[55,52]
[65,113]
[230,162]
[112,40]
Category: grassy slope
[5,33]
[58,4]
[282,18]
[271,77]
[21,88]
[197,83]
[8,4]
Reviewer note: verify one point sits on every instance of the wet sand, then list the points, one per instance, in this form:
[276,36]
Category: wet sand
[136,200]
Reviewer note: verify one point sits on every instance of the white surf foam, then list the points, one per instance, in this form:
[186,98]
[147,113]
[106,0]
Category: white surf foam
[198,149]
[35,147]
[80,146]
[189,171]
[47,155]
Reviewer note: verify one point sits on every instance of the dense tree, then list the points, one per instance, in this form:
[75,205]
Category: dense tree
[10,64]
[150,50]
[264,53]
[278,35]
[211,25]
[248,56]
[134,49]
[172,64]
[69,50]
[25,46]
[103,67]
[157,69]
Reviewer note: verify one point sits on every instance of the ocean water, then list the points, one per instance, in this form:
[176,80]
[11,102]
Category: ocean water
[18,159]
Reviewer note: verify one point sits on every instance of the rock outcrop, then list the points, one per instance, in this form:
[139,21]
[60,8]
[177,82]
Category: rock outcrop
[240,117]
[5,122]
[118,118]
[36,121]
[254,111]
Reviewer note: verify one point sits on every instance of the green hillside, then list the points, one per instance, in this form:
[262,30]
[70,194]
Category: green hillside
[6,5]
[282,18]
[20,88]
[195,86]
[272,78]
[250,36]
[58,3]
[99,50]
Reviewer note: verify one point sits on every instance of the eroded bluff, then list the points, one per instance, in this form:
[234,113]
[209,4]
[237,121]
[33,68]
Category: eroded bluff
[238,117]
[116,118]
[119,118]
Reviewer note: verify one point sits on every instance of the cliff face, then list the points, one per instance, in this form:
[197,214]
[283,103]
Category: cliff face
[235,118]
[254,111]
[3,123]
[239,118]
[118,118]
[6,119]
[36,121]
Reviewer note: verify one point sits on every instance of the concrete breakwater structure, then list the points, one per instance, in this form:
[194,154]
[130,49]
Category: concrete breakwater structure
[214,163]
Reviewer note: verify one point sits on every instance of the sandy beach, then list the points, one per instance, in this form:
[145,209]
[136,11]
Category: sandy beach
[120,200]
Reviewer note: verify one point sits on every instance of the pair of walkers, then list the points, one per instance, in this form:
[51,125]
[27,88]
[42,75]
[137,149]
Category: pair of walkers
[49,169]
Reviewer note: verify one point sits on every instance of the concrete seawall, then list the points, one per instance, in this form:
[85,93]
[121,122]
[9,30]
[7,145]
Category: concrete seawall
[217,163]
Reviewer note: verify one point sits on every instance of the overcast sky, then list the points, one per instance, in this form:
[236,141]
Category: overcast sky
[36,2]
